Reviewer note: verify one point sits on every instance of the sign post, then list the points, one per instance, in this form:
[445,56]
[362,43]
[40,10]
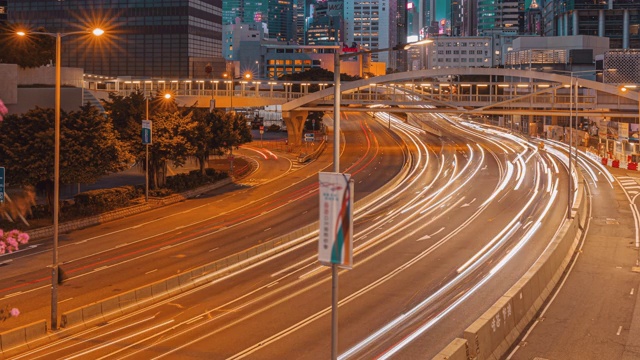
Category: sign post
[1,185]
[146,140]
[261,132]
[335,242]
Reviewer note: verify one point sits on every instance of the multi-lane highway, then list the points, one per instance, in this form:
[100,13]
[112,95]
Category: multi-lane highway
[471,213]
[119,256]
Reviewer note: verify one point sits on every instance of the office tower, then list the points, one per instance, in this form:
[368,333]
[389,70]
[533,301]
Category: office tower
[534,22]
[470,16]
[277,14]
[500,16]
[372,25]
[3,11]
[145,38]
[232,9]
[402,32]
[299,19]
[325,26]
[617,20]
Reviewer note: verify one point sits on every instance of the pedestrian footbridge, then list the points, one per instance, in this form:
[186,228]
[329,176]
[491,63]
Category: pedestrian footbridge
[502,92]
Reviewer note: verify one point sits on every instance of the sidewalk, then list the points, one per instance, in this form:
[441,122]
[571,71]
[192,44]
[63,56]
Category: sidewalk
[594,316]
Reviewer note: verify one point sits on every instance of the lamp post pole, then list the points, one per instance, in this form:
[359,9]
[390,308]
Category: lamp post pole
[146,166]
[336,169]
[56,187]
[570,147]
[56,164]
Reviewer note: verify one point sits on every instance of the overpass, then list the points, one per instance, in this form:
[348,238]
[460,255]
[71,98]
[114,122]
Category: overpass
[497,92]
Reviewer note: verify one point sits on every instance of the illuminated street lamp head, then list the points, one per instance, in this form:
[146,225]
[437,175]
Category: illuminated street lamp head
[21,33]
[97,32]
[167,96]
[247,76]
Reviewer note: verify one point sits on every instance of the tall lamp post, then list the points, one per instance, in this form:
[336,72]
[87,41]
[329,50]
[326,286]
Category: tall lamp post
[336,168]
[56,162]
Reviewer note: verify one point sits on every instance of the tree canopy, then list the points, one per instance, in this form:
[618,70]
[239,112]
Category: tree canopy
[28,51]
[89,148]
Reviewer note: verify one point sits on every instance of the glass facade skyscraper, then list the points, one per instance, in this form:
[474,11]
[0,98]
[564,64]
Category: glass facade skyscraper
[618,20]
[145,38]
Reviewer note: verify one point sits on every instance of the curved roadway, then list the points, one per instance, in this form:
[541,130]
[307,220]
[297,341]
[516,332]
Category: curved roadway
[473,212]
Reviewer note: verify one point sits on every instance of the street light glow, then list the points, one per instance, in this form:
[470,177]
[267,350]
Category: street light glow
[167,96]
[97,31]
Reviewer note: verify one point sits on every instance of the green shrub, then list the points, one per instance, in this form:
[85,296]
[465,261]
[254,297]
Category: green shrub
[193,179]
[100,200]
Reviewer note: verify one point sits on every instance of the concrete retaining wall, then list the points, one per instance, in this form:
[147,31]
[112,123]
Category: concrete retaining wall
[495,332]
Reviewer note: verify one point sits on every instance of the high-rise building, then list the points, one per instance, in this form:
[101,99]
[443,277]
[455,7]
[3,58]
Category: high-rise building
[277,14]
[618,20]
[232,9]
[144,38]
[325,26]
[500,16]
[372,24]
[3,11]
[534,22]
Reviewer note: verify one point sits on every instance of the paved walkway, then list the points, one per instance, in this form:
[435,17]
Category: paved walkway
[594,316]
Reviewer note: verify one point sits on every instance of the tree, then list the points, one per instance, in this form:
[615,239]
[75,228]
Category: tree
[88,147]
[126,114]
[170,143]
[91,148]
[206,139]
[27,51]
[217,132]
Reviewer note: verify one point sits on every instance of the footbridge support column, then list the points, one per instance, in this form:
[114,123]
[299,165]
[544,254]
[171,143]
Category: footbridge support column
[295,124]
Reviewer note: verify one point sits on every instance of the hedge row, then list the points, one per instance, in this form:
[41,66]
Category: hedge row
[94,202]
[183,182]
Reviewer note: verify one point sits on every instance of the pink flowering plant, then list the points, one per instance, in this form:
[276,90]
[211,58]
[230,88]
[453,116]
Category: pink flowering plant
[10,241]
[3,110]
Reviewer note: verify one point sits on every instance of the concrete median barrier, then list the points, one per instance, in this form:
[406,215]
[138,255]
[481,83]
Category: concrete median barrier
[143,293]
[456,350]
[111,306]
[17,340]
[72,318]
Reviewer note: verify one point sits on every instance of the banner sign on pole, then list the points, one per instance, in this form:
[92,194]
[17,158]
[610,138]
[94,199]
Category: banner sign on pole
[335,245]
[146,132]
[1,184]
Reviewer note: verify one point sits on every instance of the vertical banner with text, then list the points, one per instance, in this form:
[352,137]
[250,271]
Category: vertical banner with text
[335,245]
[146,132]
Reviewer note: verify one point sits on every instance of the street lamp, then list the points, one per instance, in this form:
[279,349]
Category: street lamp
[336,166]
[56,162]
